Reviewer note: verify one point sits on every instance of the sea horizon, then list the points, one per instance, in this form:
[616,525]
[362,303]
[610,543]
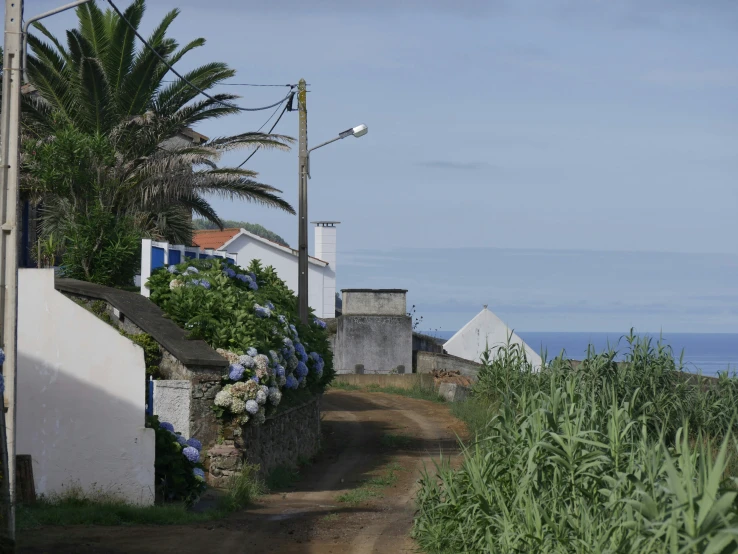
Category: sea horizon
[706,353]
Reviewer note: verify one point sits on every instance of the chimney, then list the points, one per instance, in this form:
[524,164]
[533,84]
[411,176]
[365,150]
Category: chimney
[325,249]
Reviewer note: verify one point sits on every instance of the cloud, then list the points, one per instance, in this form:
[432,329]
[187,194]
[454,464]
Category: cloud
[456,166]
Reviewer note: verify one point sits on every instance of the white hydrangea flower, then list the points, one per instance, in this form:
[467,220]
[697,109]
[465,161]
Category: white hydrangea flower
[262,362]
[238,406]
[275,396]
[246,361]
[175,283]
[243,419]
[261,398]
[252,406]
[223,399]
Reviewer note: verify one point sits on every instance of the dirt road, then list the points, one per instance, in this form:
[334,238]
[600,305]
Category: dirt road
[356,498]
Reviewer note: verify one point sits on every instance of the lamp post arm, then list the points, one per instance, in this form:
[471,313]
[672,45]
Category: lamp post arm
[325,143]
[44,16]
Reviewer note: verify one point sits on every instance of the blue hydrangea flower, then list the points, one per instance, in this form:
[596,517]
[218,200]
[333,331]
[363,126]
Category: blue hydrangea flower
[262,311]
[2,356]
[279,371]
[168,426]
[300,351]
[292,383]
[253,276]
[301,370]
[241,277]
[255,379]
[252,352]
[294,330]
[229,272]
[191,269]
[320,323]
[194,443]
[252,406]
[314,356]
[205,284]
[235,372]
[181,440]
[172,269]
[195,282]
[200,474]
[246,361]
[191,454]
[2,385]
[282,319]
[253,285]
[270,306]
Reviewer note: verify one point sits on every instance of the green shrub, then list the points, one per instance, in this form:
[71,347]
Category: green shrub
[251,316]
[178,478]
[599,457]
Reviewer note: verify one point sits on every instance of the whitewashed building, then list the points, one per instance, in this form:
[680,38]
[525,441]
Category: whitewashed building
[483,330]
[321,267]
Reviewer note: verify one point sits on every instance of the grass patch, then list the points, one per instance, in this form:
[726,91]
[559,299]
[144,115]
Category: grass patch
[330,518]
[75,507]
[475,412]
[416,391]
[372,488]
[390,440]
[245,487]
[85,511]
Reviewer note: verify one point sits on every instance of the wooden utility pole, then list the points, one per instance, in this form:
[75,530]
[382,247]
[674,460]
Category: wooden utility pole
[9,177]
[302,278]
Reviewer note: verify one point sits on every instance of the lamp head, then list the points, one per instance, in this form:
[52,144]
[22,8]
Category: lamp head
[360,131]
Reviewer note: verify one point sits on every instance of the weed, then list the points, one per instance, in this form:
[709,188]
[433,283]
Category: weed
[244,488]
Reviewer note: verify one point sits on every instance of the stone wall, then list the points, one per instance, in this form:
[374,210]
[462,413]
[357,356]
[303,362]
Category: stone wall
[427,362]
[282,440]
[376,343]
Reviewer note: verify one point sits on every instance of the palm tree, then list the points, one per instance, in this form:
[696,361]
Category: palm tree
[103,85]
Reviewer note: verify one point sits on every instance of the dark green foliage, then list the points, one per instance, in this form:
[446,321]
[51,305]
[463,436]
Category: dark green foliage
[152,352]
[175,480]
[255,228]
[224,314]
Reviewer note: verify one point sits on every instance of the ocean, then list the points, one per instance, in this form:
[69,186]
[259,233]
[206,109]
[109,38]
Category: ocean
[708,353]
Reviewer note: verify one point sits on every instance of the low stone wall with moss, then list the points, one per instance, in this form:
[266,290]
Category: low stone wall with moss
[282,440]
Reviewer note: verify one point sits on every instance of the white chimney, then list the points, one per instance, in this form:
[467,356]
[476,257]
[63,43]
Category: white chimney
[325,249]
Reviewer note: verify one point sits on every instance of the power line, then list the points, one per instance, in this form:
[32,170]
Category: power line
[169,66]
[287,105]
[242,84]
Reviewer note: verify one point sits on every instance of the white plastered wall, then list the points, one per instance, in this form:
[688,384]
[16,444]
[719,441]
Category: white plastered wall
[81,398]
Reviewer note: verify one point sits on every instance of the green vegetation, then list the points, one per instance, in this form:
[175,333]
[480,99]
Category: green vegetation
[103,152]
[601,457]
[372,488]
[245,488]
[392,440]
[416,391]
[255,228]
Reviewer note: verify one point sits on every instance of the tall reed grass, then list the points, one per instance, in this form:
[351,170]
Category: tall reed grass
[596,457]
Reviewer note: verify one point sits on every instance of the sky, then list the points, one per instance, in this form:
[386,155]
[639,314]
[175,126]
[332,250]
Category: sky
[570,163]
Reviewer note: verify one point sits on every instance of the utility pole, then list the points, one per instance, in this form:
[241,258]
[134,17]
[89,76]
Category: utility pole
[302,277]
[9,178]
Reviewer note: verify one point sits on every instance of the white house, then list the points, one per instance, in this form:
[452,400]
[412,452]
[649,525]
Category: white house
[486,329]
[321,268]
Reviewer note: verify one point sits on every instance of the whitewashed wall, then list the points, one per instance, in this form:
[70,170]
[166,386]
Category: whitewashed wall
[81,397]
[285,265]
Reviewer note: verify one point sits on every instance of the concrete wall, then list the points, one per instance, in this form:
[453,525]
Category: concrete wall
[81,397]
[374,302]
[379,343]
[325,249]
[429,361]
[285,264]
[172,404]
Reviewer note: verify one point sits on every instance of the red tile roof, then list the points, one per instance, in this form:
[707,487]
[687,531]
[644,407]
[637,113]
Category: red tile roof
[214,239]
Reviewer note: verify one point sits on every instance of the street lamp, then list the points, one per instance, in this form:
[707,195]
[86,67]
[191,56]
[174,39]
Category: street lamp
[304,175]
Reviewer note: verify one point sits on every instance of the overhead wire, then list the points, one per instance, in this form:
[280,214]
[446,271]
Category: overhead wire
[192,85]
[287,105]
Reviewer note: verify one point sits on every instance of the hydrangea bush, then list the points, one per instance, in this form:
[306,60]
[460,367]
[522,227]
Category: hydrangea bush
[250,317]
[179,472]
